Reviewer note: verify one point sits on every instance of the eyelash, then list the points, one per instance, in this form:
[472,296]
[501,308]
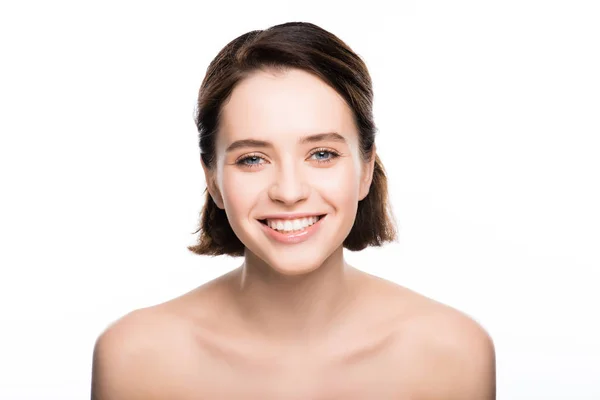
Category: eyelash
[333,156]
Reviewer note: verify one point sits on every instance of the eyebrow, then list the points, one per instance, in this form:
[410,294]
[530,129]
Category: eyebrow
[318,137]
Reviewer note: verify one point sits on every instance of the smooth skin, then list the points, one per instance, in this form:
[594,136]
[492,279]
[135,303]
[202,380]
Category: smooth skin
[294,321]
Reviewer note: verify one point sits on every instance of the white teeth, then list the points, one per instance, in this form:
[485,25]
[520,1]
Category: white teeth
[289,225]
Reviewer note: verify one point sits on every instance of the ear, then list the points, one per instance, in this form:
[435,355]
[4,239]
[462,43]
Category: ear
[367,175]
[211,185]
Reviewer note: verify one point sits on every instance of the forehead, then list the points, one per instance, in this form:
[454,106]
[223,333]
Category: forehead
[279,105]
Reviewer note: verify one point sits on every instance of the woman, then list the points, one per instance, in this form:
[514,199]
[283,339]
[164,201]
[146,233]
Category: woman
[287,147]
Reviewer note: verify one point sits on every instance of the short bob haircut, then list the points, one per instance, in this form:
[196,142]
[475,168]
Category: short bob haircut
[293,45]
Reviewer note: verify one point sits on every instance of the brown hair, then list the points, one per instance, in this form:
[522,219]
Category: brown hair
[310,48]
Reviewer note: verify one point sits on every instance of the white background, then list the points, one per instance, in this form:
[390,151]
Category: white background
[488,117]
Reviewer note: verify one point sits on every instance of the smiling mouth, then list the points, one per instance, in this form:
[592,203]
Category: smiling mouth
[291,225]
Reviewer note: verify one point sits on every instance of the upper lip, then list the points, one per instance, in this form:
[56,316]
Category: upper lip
[290,216]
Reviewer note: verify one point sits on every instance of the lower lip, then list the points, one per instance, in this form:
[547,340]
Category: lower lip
[292,237]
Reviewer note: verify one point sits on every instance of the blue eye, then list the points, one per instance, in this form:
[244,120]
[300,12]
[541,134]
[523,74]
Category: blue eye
[324,155]
[250,160]
[321,155]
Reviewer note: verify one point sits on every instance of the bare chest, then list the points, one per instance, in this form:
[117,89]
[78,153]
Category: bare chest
[364,372]
[368,381]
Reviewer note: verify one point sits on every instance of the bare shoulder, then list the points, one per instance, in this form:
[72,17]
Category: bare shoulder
[456,354]
[140,356]
[160,352]
[157,352]
[451,356]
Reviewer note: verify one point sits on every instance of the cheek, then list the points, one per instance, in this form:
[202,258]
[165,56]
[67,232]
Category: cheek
[339,185]
[239,191]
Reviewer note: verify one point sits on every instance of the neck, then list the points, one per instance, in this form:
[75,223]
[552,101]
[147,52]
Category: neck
[294,308]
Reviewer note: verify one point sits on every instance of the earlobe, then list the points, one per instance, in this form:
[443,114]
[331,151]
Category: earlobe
[211,186]
[367,176]
[216,195]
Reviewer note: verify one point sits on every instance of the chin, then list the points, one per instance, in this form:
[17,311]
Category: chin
[292,263]
[295,268]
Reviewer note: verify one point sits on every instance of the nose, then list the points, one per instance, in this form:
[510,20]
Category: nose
[288,186]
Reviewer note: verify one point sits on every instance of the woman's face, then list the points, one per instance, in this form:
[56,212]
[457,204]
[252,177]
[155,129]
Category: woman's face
[288,154]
